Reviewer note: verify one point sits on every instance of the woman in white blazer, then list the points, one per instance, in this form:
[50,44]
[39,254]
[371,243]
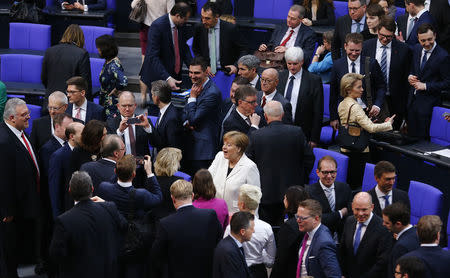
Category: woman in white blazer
[231,168]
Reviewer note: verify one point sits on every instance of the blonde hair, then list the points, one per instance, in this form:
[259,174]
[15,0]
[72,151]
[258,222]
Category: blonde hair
[73,34]
[237,138]
[181,190]
[348,82]
[167,161]
[250,195]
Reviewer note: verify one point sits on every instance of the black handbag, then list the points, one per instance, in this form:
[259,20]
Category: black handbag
[352,137]
[22,11]
[139,12]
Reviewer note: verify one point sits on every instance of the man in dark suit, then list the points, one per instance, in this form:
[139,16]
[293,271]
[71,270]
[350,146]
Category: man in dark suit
[248,68]
[354,62]
[439,10]
[229,258]
[289,152]
[80,108]
[102,170]
[304,91]
[243,118]
[59,170]
[43,129]
[229,45]
[365,244]
[354,22]
[19,189]
[269,83]
[409,267]
[383,194]
[201,118]
[436,259]
[189,253]
[318,256]
[167,48]
[334,197]
[294,33]
[409,22]
[168,130]
[135,135]
[86,239]
[429,76]
[396,218]
[85,5]
[394,58]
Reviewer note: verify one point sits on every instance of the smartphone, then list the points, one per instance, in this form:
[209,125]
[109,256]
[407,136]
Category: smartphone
[139,160]
[132,121]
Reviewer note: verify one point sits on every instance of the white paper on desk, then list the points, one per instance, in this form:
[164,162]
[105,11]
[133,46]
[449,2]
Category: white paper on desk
[443,152]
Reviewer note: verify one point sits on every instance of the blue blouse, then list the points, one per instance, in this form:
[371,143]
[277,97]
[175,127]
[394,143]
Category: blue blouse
[323,68]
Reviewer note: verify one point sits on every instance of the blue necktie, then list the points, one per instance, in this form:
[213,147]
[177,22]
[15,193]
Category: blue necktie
[386,200]
[383,63]
[353,67]
[357,238]
[358,27]
[289,88]
[424,60]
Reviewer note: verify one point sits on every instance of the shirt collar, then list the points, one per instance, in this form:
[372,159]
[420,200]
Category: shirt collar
[186,205]
[70,146]
[366,223]
[381,194]
[110,160]
[428,244]
[379,45]
[430,51]
[409,226]
[172,25]
[61,141]
[242,115]
[254,81]
[361,21]
[298,75]
[217,26]
[125,184]
[324,187]
[163,110]
[311,234]
[295,29]
[271,95]
[239,244]
[357,61]
[82,106]
[420,13]
[17,132]
[204,83]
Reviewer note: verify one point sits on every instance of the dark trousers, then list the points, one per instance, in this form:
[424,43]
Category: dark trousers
[356,165]
[272,213]
[258,271]
[397,109]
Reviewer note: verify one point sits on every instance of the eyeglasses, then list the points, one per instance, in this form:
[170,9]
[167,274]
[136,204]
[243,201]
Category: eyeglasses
[250,102]
[354,9]
[302,218]
[329,172]
[51,108]
[386,36]
[397,272]
[72,92]
[263,80]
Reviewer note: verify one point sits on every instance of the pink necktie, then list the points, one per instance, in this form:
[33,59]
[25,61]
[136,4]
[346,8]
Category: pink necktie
[177,50]
[299,265]
[78,114]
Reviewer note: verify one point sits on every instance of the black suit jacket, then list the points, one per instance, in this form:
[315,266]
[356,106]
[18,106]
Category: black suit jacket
[86,240]
[343,27]
[309,110]
[372,256]
[93,112]
[402,22]
[377,83]
[229,261]
[62,62]
[287,107]
[343,199]
[45,153]
[142,137]
[436,260]
[231,45]
[169,131]
[59,174]
[237,123]
[407,242]
[100,171]
[290,153]
[166,207]
[398,195]
[325,14]
[41,131]
[19,195]
[439,10]
[188,253]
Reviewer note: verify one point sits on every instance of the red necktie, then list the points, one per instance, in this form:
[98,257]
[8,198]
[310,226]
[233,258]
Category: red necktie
[302,252]
[263,102]
[177,51]
[32,158]
[288,38]
[132,140]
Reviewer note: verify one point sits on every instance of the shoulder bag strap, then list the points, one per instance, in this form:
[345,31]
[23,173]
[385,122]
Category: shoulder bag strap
[349,110]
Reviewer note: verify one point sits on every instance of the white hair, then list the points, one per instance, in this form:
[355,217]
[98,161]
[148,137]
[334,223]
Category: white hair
[273,109]
[250,195]
[294,54]
[59,96]
[11,106]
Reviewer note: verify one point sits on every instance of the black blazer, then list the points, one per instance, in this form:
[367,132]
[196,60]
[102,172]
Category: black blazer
[41,131]
[100,171]
[288,242]
[166,207]
[231,45]
[290,153]
[169,131]
[186,241]
[45,153]
[229,261]
[371,259]
[62,62]
[436,260]
[343,27]
[287,107]
[325,14]
[235,122]
[440,10]
[398,195]
[142,137]
[309,110]
[86,240]
[407,242]
[93,112]
[402,23]
[343,199]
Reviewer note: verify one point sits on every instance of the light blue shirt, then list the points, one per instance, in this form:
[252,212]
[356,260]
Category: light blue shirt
[361,22]
[217,30]
[323,68]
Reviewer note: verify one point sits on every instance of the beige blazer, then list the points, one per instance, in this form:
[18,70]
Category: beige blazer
[227,187]
[358,116]
[155,9]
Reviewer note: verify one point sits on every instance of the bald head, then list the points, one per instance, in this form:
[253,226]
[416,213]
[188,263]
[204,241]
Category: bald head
[269,80]
[73,133]
[362,206]
[127,104]
[273,111]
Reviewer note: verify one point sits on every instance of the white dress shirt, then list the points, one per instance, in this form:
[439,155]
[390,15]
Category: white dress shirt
[304,273]
[254,81]
[363,228]
[61,141]
[126,135]
[82,111]
[291,41]
[357,70]
[124,184]
[379,54]
[269,97]
[381,199]
[245,118]
[162,111]
[295,90]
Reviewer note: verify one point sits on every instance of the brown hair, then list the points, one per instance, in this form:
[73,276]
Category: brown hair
[74,35]
[326,157]
[181,190]
[295,195]
[125,168]
[314,207]
[428,228]
[78,82]
[59,118]
[388,23]
[307,4]
[375,10]
[92,135]
[237,138]
[203,185]
[383,167]
[355,38]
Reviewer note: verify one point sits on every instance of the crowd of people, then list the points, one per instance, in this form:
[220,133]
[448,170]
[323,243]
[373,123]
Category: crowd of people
[96,190]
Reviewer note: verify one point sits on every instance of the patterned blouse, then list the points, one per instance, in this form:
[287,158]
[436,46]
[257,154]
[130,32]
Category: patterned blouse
[111,77]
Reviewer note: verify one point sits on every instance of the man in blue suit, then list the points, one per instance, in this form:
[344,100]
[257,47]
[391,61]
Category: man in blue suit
[59,170]
[429,76]
[409,22]
[294,33]
[229,256]
[395,65]
[396,218]
[318,252]
[83,5]
[167,48]
[201,118]
[102,170]
[354,62]
[80,108]
[436,259]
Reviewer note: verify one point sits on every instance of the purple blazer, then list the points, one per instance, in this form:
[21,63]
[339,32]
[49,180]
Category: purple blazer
[217,204]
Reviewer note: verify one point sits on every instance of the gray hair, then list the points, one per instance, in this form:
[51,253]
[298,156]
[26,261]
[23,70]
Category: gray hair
[273,109]
[161,89]
[300,9]
[59,97]
[362,2]
[11,106]
[110,144]
[294,54]
[250,195]
[80,186]
[250,61]
[126,93]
